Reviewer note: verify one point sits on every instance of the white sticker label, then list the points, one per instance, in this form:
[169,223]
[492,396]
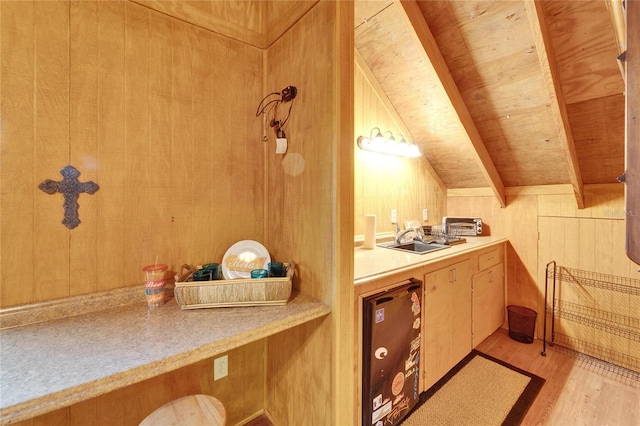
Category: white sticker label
[383,411]
[381,352]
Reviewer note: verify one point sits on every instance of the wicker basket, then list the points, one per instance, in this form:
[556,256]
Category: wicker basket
[238,292]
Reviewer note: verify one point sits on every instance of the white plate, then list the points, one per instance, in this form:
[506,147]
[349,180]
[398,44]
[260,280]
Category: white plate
[242,258]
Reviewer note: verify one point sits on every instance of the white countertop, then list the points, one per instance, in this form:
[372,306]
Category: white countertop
[56,363]
[372,264]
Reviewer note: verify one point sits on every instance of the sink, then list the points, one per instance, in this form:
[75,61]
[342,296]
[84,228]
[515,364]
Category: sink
[415,247]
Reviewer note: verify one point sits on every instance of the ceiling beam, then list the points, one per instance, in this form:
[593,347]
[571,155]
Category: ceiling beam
[413,16]
[616,10]
[551,78]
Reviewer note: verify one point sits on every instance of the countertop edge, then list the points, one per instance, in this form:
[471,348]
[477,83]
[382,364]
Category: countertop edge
[441,255]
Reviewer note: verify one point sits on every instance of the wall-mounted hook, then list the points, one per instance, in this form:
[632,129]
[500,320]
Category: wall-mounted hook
[288,94]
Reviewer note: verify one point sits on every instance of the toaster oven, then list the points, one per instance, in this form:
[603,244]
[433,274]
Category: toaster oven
[463,226]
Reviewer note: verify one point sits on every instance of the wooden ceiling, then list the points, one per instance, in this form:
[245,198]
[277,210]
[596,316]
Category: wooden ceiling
[495,93]
[503,93]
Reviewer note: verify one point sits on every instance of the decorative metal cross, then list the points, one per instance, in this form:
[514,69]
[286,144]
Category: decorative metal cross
[70,188]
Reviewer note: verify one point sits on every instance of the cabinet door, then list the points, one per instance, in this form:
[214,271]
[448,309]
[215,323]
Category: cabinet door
[488,302]
[461,343]
[437,325]
[447,319]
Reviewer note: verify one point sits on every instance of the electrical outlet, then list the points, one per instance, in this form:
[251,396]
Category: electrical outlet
[220,367]
[394,216]
[425,215]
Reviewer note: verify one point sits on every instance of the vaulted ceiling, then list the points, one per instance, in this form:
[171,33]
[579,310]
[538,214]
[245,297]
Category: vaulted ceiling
[496,94]
[503,93]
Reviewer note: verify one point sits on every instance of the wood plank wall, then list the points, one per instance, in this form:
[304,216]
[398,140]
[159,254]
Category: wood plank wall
[258,23]
[544,224]
[240,20]
[385,182]
[171,111]
[303,199]
[158,112]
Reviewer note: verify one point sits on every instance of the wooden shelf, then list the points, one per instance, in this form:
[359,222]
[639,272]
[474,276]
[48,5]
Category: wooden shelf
[57,363]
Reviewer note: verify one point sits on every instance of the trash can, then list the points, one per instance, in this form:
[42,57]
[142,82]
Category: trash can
[522,323]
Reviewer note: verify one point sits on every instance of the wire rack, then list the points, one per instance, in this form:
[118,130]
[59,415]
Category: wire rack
[597,280]
[446,232]
[596,315]
[600,367]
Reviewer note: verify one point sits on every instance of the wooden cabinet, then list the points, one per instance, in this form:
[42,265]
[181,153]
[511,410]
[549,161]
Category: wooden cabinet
[446,319]
[488,302]
[488,295]
[447,308]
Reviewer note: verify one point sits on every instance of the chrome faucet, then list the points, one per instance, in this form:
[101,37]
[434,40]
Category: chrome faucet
[400,234]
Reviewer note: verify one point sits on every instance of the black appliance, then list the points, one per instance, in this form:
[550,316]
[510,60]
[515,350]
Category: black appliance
[391,353]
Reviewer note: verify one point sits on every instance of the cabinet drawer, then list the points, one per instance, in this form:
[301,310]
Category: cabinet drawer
[489,259]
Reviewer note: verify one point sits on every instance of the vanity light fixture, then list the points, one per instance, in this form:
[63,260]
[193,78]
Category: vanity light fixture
[377,142]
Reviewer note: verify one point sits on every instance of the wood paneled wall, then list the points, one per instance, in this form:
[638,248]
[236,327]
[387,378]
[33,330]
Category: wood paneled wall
[385,182]
[309,215]
[544,224]
[158,112]
[255,22]
[240,20]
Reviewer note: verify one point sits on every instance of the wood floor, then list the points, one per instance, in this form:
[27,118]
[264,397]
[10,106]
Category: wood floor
[578,390]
